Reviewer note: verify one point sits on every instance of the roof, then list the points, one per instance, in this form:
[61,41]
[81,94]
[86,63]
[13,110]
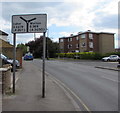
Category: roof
[5,44]
[80,33]
[89,31]
[3,33]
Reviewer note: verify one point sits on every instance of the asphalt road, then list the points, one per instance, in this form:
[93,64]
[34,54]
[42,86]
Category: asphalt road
[97,88]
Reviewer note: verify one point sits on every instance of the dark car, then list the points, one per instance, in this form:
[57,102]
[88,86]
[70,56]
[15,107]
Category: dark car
[28,56]
[6,60]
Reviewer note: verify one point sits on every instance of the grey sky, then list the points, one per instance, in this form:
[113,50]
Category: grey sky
[76,15]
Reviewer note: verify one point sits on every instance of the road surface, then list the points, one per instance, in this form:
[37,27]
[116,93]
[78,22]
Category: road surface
[97,88]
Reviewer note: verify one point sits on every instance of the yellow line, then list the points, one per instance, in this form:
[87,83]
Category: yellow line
[85,106]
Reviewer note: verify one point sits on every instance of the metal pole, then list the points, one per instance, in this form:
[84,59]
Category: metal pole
[14,58]
[34,36]
[44,54]
[47,44]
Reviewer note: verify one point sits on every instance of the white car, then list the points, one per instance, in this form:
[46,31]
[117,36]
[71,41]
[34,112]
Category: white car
[6,60]
[111,58]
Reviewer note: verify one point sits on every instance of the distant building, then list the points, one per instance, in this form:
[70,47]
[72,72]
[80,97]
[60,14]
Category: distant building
[117,50]
[88,41]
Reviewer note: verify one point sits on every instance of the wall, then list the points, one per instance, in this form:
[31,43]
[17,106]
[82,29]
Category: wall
[106,43]
[3,37]
[7,50]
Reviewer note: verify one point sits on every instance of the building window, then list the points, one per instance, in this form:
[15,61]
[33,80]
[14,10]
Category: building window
[83,44]
[77,45]
[91,44]
[61,40]
[90,51]
[90,36]
[70,39]
[69,46]
[83,36]
[77,38]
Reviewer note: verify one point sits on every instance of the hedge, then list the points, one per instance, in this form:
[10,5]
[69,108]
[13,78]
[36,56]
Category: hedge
[81,55]
[112,53]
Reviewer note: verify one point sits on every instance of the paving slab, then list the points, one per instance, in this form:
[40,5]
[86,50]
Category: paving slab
[28,96]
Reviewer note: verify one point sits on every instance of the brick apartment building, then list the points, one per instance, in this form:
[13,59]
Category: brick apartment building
[88,41]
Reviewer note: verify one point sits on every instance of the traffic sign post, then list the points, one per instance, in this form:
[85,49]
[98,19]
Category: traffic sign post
[43,77]
[14,59]
[32,23]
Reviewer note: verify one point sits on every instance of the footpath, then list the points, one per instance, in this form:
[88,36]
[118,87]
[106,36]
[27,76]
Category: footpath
[28,96]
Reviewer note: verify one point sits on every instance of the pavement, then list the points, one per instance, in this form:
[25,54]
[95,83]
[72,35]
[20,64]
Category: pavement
[108,68]
[28,96]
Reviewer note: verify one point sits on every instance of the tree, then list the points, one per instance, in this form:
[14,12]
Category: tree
[23,47]
[36,47]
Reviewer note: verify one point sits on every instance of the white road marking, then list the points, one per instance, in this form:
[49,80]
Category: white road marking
[110,79]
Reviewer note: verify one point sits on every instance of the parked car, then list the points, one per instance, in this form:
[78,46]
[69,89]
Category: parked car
[28,56]
[111,58]
[6,60]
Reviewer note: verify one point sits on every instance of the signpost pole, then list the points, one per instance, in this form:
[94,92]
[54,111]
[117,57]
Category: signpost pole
[30,23]
[44,54]
[14,65]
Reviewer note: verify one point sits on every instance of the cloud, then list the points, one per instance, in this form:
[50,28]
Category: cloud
[65,34]
[66,15]
[112,7]
[5,24]
[106,21]
[20,38]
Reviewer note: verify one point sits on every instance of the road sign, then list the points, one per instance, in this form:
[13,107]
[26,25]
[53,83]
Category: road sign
[33,23]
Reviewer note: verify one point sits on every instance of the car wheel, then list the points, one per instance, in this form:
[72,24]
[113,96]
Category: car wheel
[108,60]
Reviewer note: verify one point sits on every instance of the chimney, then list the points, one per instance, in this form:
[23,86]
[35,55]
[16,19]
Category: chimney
[79,33]
[71,35]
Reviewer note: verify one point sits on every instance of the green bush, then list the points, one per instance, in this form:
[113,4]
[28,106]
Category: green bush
[61,55]
[81,55]
[69,55]
[112,53]
[86,55]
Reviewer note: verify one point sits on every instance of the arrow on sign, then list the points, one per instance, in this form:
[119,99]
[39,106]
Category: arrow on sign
[27,21]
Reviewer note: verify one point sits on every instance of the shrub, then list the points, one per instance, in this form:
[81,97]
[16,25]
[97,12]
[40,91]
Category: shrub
[112,53]
[81,55]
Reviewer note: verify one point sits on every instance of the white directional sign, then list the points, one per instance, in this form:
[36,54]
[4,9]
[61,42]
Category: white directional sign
[33,23]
